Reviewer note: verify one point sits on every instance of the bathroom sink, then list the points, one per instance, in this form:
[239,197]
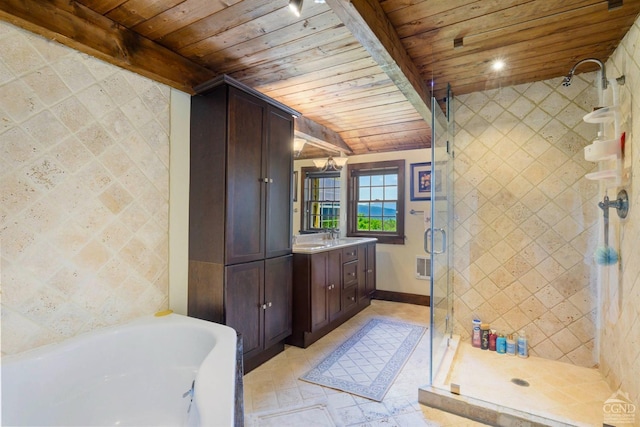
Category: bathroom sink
[311,245]
[327,244]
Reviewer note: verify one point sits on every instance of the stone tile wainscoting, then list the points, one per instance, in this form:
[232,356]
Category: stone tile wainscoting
[83,192]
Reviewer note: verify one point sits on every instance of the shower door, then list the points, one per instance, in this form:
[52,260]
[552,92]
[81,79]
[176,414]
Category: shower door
[439,237]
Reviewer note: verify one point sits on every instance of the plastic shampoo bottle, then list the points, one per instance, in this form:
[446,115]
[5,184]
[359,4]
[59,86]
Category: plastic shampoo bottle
[523,350]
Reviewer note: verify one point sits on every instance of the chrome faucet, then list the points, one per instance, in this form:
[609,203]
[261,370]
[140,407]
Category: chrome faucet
[334,233]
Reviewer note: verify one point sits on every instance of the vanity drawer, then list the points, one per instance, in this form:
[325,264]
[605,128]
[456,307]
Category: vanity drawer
[349,297]
[350,274]
[350,253]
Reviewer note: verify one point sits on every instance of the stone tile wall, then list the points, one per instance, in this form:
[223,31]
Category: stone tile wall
[526,217]
[84,152]
[620,337]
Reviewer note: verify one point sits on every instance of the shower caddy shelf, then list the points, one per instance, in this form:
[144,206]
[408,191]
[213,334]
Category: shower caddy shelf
[606,150]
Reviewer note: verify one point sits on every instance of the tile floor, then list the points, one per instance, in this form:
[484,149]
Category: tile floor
[275,396]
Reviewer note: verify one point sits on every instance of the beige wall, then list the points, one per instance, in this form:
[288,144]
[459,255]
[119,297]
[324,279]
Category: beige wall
[525,228]
[84,188]
[620,334]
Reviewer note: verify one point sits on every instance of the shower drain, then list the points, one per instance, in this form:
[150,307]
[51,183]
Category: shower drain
[520,382]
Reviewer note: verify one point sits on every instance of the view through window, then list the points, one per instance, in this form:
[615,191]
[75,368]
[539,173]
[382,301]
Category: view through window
[376,201]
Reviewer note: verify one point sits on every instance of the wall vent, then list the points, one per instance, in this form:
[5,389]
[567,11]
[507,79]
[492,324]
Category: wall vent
[423,267]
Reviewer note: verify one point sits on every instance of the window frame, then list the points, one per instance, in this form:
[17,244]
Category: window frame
[304,171]
[353,172]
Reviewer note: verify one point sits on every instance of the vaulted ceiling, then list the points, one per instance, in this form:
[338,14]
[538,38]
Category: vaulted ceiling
[361,72]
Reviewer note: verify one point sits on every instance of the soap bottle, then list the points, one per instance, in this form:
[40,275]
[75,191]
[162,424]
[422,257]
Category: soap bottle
[523,351]
[511,345]
[475,333]
[493,338]
[501,344]
[484,336]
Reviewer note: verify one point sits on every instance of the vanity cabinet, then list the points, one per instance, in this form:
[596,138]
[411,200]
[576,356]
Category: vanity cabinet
[326,290]
[240,214]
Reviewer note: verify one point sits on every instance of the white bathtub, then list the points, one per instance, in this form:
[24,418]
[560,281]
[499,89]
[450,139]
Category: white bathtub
[133,374]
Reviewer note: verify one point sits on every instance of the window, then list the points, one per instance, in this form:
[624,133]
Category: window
[376,201]
[321,200]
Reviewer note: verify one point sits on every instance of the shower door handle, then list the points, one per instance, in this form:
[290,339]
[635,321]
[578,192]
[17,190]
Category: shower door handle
[427,233]
[444,241]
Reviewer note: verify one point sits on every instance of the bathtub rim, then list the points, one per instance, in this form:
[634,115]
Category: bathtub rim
[217,368]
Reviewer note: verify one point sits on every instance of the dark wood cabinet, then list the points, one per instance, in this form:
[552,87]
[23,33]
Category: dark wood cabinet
[277,299]
[316,267]
[327,290]
[258,304]
[240,264]
[334,284]
[367,270]
[243,300]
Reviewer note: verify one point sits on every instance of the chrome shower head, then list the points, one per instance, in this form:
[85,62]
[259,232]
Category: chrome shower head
[568,77]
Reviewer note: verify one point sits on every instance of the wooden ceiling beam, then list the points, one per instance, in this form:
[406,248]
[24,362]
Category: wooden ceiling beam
[80,28]
[320,136]
[369,24]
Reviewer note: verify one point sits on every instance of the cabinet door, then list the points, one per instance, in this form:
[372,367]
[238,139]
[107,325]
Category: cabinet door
[279,153]
[278,274]
[244,296]
[362,270]
[366,270]
[246,172]
[371,269]
[334,276]
[319,307]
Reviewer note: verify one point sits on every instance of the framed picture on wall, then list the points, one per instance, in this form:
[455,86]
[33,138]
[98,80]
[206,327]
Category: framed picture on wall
[422,177]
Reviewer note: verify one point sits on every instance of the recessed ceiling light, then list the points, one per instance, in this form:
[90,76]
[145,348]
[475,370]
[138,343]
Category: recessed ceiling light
[498,65]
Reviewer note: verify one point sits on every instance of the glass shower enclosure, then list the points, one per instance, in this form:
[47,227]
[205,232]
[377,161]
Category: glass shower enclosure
[438,238]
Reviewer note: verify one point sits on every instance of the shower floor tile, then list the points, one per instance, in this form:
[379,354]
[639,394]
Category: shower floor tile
[556,390]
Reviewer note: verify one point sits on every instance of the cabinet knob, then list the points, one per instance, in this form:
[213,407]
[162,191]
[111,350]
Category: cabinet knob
[268,304]
[352,274]
[264,306]
[369,271]
[352,298]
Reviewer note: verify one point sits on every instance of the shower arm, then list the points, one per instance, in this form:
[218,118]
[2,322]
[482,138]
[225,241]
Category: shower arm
[567,79]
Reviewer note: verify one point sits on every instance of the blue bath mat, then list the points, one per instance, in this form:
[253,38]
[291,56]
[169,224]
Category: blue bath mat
[368,362]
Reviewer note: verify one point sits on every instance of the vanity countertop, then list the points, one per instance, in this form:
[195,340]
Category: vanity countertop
[311,244]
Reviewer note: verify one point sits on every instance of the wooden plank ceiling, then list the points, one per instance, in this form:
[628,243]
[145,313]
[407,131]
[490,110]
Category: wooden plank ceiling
[359,71]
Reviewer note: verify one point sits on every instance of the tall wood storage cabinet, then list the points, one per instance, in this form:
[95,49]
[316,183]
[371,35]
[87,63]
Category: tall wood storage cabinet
[240,262]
